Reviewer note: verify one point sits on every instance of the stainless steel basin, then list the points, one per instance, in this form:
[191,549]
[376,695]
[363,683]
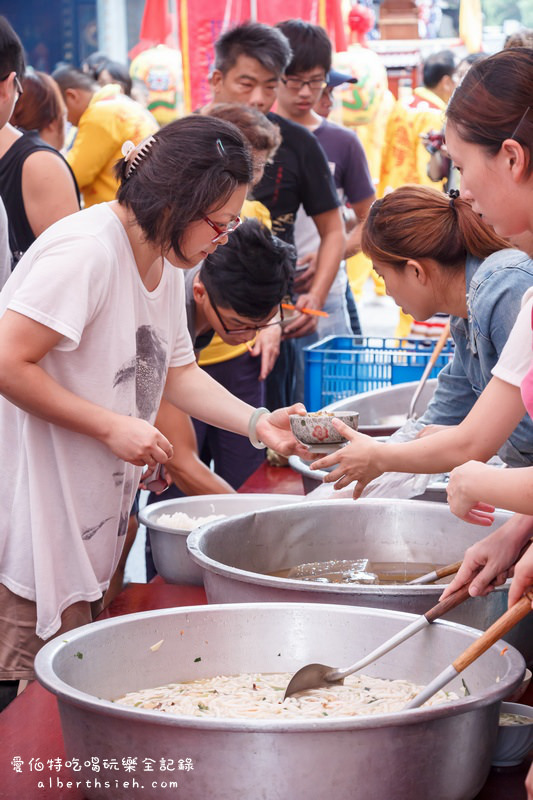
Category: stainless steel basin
[441,752]
[169,545]
[237,555]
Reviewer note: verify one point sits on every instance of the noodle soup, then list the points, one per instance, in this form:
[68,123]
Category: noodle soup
[260,696]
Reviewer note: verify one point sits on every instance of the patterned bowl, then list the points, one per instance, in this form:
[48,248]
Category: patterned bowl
[316,428]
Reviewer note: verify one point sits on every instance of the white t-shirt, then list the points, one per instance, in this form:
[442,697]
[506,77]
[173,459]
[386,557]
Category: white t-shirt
[66,497]
[5,252]
[515,359]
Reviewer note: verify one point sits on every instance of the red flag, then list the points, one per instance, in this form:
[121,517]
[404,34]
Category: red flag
[156,27]
[202,23]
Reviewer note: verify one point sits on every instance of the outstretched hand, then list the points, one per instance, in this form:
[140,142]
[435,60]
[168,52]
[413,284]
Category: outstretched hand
[489,562]
[274,430]
[356,461]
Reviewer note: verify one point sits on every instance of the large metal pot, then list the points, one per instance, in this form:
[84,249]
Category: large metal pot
[169,545]
[383,411]
[237,556]
[442,752]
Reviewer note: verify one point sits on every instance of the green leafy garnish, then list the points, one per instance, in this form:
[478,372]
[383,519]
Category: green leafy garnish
[198,658]
[465,687]
[78,655]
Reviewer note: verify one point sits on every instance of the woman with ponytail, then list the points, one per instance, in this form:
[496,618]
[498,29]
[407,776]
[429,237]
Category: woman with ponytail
[436,254]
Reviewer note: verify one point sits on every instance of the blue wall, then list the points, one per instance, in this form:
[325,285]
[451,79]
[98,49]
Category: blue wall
[53,31]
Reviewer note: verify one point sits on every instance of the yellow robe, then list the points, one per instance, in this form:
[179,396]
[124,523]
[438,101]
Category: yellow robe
[109,120]
[405,158]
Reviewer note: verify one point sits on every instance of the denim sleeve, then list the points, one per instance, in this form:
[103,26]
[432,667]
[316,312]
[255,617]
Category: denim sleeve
[453,398]
[495,307]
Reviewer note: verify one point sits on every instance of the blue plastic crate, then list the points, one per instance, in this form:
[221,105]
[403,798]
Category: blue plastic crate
[341,366]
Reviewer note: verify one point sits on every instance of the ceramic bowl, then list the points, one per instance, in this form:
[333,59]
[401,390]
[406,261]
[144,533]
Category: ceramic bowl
[514,741]
[317,429]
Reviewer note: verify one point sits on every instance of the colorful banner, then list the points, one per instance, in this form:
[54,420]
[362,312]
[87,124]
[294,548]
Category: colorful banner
[200,25]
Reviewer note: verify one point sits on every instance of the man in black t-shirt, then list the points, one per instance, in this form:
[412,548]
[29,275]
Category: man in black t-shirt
[249,61]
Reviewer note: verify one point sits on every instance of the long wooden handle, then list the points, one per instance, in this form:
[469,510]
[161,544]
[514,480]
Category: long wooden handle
[495,632]
[446,605]
[443,338]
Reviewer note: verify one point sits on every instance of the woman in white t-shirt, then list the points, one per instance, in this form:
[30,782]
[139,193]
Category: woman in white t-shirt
[92,332]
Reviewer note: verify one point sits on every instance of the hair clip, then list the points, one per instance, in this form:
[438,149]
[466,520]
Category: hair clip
[453,194]
[220,148]
[134,154]
[522,119]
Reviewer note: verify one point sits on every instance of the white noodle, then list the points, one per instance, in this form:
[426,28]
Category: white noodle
[260,696]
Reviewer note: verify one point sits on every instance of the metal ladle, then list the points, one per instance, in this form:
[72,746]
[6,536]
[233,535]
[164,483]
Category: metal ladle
[313,676]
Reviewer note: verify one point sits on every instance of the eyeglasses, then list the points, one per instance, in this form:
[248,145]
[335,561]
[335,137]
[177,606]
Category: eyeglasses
[18,85]
[248,328]
[221,232]
[297,84]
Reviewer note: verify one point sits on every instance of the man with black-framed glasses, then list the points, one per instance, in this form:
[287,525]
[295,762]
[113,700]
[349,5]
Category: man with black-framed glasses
[306,76]
[235,293]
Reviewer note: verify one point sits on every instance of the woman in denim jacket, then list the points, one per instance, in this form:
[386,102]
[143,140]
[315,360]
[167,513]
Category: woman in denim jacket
[436,254]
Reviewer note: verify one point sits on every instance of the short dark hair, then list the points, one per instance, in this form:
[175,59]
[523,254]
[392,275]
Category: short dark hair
[520,38]
[310,45]
[193,164]
[94,63]
[252,123]
[118,73]
[255,40]
[436,66]
[250,274]
[73,78]
[11,51]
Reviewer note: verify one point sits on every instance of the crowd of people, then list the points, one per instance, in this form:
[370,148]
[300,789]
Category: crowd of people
[130,338]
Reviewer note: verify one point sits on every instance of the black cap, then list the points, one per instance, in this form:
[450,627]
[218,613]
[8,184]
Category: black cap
[335,78]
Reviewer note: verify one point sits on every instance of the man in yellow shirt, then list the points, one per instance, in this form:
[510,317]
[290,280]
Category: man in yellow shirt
[405,158]
[105,119]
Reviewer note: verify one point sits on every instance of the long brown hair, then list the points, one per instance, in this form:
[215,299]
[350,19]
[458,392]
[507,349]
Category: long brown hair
[420,222]
[495,101]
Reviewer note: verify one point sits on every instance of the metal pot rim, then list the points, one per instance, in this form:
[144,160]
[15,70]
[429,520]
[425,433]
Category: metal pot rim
[196,538]
[44,668]
[146,512]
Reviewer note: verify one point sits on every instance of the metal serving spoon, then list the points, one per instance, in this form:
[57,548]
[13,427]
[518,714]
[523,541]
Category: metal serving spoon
[498,629]
[313,676]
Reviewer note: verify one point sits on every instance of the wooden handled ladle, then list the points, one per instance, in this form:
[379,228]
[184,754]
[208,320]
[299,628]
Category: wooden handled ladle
[436,574]
[477,648]
[312,676]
